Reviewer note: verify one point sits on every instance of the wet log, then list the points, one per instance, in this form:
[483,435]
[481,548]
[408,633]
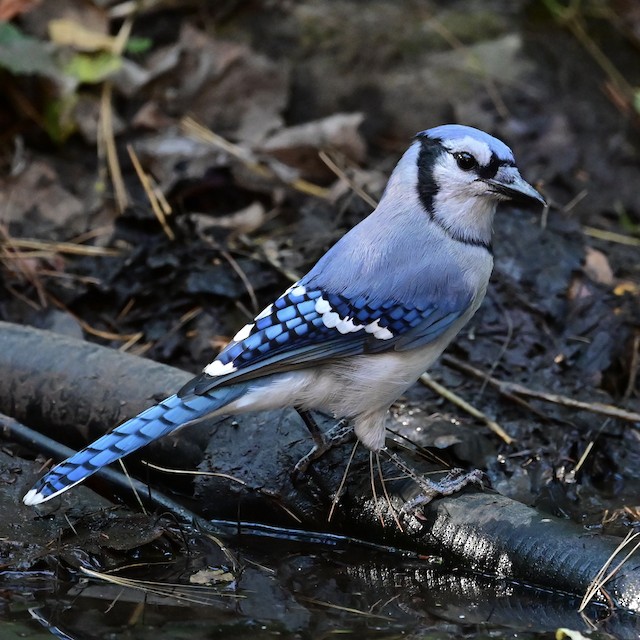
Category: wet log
[73,391]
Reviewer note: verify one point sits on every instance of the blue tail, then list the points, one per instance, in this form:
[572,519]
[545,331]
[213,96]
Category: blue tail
[155,422]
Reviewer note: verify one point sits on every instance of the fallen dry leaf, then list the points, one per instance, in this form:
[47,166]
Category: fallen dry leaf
[243,221]
[11,8]
[299,146]
[596,266]
[238,92]
[69,33]
[36,197]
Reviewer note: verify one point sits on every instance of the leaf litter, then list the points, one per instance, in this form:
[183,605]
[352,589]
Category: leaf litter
[228,128]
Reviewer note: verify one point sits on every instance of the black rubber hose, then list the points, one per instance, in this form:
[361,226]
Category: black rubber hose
[51,382]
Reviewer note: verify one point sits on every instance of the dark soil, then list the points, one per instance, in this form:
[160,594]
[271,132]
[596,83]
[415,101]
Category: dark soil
[560,318]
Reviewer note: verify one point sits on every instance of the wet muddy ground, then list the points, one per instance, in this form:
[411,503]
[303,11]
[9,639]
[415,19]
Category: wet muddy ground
[226,106]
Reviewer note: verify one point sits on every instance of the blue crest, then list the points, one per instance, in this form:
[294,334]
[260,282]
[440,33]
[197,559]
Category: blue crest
[456,131]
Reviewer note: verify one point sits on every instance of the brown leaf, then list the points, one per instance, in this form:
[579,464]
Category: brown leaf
[299,146]
[236,91]
[9,9]
[596,266]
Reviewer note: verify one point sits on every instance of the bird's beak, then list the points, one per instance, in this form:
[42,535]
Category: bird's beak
[510,185]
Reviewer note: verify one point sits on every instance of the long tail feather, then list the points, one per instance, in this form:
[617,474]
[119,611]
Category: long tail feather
[154,423]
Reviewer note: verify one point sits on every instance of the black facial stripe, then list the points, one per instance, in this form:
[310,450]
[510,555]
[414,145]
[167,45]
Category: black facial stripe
[427,189]
[489,171]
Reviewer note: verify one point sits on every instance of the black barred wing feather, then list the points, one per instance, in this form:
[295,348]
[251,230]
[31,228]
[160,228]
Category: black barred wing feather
[309,326]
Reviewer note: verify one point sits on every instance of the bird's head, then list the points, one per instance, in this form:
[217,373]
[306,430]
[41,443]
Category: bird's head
[473,164]
[462,174]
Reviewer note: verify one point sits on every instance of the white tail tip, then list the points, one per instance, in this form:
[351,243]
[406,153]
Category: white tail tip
[32,498]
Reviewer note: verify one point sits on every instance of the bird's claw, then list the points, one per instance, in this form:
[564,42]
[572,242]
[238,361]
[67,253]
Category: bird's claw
[337,435]
[453,482]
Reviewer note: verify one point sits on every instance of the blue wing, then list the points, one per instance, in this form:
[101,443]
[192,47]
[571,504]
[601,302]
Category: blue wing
[303,327]
[307,326]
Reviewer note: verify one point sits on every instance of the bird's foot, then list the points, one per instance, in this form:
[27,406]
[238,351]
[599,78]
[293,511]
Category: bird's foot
[337,435]
[453,482]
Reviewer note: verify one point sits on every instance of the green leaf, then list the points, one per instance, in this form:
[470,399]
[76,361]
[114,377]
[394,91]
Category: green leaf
[137,45]
[59,118]
[23,55]
[94,68]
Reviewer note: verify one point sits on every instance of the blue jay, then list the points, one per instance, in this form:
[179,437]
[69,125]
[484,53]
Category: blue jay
[372,315]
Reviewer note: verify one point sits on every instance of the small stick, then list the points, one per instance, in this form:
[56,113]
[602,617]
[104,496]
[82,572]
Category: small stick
[598,582]
[49,247]
[454,398]
[611,236]
[145,181]
[328,160]
[633,368]
[195,129]
[518,389]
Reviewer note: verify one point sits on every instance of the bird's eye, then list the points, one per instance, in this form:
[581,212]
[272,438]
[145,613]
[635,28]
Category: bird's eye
[465,160]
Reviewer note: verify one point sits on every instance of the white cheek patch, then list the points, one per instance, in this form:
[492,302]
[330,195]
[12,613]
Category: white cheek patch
[216,368]
[453,183]
[478,149]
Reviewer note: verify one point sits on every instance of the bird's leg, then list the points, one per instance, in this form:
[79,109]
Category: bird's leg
[322,441]
[453,482]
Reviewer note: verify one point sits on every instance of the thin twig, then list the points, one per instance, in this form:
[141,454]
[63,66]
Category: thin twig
[192,593]
[454,398]
[326,158]
[224,476]
[386,495]
[287,273]
[518,389]
[620,91]
[475,63]
[599,581]
[225,550]
[233,263]
[107,335]
[633,368]
[51,247]
[611,236]
[191,127]
[193,472]
[90,234]
[145,181]
[50,273]
[133,487]
[184,319]
[503,348]
[575,200]
[373,490]
[589,447]
[336,498]
[337,607]
[8,248]
[107,135]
